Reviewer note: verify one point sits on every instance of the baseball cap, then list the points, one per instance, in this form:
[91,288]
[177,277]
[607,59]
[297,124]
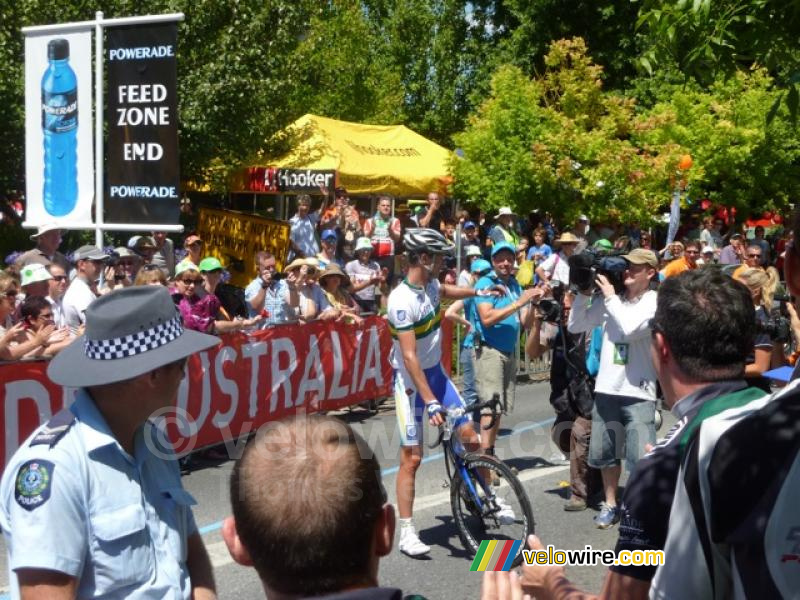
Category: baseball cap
[89,253]
[708,249]
[472,250]
[33,273]
[640,256]
[503,246]
[469,225]
[209,263]
[185,265]
[480,266]
[363,243]
[329,234]
[604,244]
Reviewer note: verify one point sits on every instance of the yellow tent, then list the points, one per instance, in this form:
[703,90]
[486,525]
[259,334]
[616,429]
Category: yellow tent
[367,159]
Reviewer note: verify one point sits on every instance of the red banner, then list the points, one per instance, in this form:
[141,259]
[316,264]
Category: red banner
[236,387]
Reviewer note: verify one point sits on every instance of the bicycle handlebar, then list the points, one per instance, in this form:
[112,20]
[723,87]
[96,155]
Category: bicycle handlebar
[494,405]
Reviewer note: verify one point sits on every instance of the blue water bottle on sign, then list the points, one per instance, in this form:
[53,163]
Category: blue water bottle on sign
[60,129]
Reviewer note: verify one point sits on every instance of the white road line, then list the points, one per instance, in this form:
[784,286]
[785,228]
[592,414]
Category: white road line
[218,551]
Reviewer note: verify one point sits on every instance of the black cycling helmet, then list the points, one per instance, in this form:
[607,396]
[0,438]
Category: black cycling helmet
[419,240]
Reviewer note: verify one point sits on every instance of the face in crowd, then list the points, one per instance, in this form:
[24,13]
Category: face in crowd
[188,283]
[58,284]
[503,263]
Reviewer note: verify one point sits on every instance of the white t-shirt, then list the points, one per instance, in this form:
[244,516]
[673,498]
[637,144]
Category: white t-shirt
[557,267]
[77,299]
[360,273]
[626,367]
[417,309]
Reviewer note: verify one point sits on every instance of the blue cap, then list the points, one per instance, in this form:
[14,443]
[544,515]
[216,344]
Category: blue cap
[503,246]
[470,225]
[479,266]
[329,234]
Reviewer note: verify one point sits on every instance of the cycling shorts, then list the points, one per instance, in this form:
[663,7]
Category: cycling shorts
[411,409]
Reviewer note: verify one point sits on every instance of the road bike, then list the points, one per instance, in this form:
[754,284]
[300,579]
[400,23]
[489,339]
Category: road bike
[483,509]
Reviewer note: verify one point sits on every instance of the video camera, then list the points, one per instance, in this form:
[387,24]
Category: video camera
[586,266]
[778,326]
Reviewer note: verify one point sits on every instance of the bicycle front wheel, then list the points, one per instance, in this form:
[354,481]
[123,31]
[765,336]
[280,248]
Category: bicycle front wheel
[486,512]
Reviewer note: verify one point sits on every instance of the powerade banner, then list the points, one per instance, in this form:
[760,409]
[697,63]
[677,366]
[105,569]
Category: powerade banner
[59,156]
[142,119]
[275,180]
[234,388]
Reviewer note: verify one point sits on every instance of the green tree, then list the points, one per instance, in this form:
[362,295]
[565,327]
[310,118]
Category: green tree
[560,143]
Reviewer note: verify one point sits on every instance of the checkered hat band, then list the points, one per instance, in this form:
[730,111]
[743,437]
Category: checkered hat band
[136,343]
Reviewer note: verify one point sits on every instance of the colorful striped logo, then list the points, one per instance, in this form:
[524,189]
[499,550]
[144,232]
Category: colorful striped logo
[495,555]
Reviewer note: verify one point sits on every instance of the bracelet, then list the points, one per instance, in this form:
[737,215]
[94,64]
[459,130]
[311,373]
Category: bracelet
[515,306]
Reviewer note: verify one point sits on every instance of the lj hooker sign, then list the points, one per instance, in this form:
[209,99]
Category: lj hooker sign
[236,387]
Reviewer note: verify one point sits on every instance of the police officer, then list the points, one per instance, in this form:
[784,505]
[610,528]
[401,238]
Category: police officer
[92,502]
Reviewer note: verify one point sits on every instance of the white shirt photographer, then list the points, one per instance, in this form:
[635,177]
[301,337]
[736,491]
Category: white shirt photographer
[626,367]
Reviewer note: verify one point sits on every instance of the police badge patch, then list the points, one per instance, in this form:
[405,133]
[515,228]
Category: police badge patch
[34,480]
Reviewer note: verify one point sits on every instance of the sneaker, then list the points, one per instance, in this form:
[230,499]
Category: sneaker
[609,515]
[574,505]
[506,514]
[410,543]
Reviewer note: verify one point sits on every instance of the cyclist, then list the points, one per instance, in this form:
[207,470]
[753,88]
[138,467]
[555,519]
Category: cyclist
[421,385]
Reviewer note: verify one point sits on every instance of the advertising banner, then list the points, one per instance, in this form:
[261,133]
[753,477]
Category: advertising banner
[59,128]
[234,238]
[274,180]
[230,390]
[142,119]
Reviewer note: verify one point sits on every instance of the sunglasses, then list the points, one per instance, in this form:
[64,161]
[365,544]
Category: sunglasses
[753,256]
[692,251]
[150,267]
[198,281]
[195,244]
[10,294]
[60,277]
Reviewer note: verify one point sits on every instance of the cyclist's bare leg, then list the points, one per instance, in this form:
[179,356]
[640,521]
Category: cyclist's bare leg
[469,437]
[489,436]
[410,459]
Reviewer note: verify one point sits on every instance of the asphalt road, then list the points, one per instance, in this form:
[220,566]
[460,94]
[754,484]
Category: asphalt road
[525,444]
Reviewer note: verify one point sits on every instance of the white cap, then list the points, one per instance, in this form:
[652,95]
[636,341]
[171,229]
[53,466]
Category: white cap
[707,249]
[34,273]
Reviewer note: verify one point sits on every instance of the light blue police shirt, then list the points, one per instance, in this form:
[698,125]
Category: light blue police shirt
[85,507]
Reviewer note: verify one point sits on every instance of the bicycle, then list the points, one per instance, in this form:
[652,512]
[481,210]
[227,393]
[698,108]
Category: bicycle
[482,510]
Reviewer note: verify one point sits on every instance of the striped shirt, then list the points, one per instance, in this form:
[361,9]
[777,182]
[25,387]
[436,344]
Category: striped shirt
[413,308]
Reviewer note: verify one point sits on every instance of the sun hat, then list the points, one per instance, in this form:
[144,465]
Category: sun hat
[209,263]
[472,250]
[183,266]
[505,211]
[297,263]
[334,270]
[568,238]
[42,229]
[479,266]
[640,256]
[329,234]
[503,246]
[34,273]
[583,218]
[88,253]
[129,331]
[363,243]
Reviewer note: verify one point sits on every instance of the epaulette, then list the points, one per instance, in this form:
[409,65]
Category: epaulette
[55,429]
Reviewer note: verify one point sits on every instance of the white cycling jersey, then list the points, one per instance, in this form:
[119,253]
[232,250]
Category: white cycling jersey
[415,308]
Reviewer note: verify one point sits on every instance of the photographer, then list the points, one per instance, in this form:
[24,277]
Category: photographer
[762,285]
[570,432]
[625,390]
[268,294]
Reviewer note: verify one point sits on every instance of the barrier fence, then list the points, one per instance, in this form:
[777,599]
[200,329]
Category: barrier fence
[234,388]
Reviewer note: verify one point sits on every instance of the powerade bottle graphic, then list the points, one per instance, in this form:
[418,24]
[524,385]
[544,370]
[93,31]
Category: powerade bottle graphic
[60,129]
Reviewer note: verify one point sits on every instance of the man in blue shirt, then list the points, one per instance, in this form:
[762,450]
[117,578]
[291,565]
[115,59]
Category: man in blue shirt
[91,505]
[266,294]
[499,327]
